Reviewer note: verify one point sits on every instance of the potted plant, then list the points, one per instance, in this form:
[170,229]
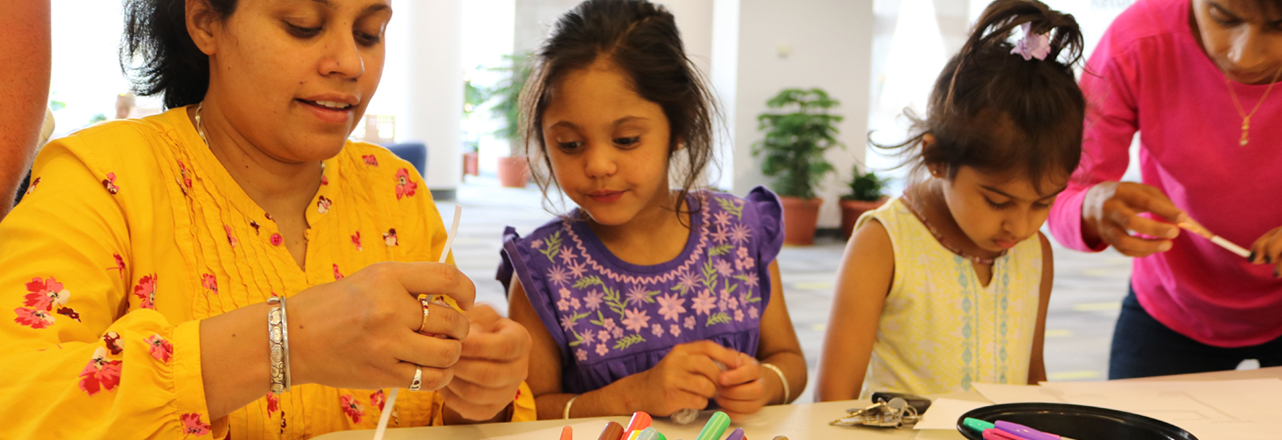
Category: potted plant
[867,192]
[473,97]
[514,170]
[798,130]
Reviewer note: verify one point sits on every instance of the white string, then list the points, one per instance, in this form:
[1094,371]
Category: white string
[391,397]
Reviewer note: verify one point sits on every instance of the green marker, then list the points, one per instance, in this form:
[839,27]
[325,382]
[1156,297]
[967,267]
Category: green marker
[978,425]
[716,426]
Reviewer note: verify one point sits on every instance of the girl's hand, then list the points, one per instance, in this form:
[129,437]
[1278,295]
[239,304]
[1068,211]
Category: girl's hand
[362,331]
[495,360]
[1268,250]
[685,378]
[742,390]
[1111,211]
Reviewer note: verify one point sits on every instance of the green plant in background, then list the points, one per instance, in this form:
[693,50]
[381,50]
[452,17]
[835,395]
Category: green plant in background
[798,132]
[867,187]
[508,93]
[473,96]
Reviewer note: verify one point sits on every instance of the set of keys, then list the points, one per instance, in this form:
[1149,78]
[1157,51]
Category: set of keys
[889,410]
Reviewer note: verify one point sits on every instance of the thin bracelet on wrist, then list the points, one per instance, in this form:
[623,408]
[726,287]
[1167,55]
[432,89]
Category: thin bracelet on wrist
[782,379]
[566,413]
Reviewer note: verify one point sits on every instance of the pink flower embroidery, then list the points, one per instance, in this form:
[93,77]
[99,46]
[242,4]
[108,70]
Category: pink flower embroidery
[378,399]
[337,275]
[36,319]
[563,304]
[112,340]
[193,426]
[146,292]
[722,219]
[738,315]
[567,255]
[740,233]
[601,349]
[671,306]
[723,267]
[638,294]
[44,294]
[110,183]
[588,337]
[404,186]
[351,407]
[751,278]
[721,235]
[161,349]
[675,330]
[593,299]
[182,168]
[742,252]
[636,320]
[32,187]
[603,336]
[657,329]
[574,303]
[322,204]
[276,239]
[390,237]
[370,160]
[580,354]
[100,374]
[120,264]
[558,276]
[608,324]
[230,238]
[273,404]
[689,323]
[752,312]
[536,244]
[356,240]
[565,293]
[209,282]
[688,281]
[324,180]
[617,332]
[568,323]
[704,303]
[577,269]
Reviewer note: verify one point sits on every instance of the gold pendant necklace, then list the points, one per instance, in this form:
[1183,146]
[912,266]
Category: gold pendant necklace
[1246,118]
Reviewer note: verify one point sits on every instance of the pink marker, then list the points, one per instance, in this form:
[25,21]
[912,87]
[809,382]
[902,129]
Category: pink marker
[997,434]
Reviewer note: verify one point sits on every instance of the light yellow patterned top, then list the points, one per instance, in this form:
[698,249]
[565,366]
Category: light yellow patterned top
[940,328]
[132,233]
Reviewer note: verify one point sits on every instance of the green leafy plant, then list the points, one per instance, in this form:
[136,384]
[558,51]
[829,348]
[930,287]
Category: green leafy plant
[867,187]
[798,132]
[508,94]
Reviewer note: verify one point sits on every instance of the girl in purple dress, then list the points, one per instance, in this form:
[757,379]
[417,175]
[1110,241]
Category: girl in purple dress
[633,298]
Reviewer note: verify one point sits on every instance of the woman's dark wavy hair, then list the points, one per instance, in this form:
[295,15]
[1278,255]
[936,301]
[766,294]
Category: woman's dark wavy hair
[993,111]
[641,39]
[159,56]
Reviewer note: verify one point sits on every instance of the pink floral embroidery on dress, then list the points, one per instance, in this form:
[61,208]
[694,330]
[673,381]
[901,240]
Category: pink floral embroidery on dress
[370,160]
[186,179]
[356,240]
[112,341]
[273,404]
[209,282]
[230,238]
[161,349]
[351,407]
[193,426]
[378,399]
[120,264]
[43,297]
[101,374]
[337,275]
[110,183]
[322,204]
[390,237]
[324,180]
[36,319]
[404,185]
[146,291]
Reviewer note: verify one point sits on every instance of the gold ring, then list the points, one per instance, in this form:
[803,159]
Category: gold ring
[426,311]
[418,379]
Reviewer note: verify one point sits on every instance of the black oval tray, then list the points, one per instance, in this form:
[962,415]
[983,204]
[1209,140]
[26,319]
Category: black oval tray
[1075,421]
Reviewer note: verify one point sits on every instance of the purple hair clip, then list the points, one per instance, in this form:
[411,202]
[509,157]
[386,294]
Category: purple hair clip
[1032,45]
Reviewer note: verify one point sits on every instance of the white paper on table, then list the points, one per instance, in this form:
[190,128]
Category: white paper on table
[943,413]
[582,430]
[1237,409]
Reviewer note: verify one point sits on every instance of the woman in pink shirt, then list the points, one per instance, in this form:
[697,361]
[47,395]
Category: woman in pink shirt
[1195,78]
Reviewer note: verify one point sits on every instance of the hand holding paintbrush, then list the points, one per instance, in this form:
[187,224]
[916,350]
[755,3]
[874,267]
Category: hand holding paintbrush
[1193,226]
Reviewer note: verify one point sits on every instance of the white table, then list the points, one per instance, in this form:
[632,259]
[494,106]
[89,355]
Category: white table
[796,421]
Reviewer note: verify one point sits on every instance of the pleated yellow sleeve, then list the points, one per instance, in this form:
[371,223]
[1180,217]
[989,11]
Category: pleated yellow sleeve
[131,233]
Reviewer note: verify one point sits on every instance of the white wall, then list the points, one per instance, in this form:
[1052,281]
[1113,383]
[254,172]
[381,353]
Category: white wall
[434,89]
[830,43]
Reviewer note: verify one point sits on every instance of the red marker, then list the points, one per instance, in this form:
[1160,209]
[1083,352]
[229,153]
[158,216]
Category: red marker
[640,420]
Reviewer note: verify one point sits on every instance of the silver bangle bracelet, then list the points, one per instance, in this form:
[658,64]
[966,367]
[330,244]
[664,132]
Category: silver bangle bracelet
[278,345]
[782,379]
[284,329]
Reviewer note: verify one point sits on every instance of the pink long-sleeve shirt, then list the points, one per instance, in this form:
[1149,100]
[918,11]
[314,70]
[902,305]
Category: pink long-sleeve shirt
[1151,76]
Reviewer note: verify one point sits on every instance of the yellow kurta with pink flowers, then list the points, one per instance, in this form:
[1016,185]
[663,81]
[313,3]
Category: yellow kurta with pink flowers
[131,233]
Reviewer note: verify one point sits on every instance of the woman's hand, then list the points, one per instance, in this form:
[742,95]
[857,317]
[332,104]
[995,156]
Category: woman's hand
[1268,250]
[742,390]
[495,360]
[1111,213]
[363,331]
[686,378]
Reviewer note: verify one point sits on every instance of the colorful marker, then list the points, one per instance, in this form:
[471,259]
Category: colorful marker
[716,426]
[979,426]
[737,434]
[997,434]
[651,434]
[567,433]
[640,420]
[1026,432]
[612,431]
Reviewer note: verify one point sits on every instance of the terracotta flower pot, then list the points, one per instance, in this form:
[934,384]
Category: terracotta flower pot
[514,171]
[800,216]
[470,163]
[852,209]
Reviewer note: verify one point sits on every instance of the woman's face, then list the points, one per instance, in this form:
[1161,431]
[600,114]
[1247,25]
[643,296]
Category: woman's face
[293,77]
[1242,38]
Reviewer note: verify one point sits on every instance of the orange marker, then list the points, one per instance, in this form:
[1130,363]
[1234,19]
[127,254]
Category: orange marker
[567,433]
[640,420]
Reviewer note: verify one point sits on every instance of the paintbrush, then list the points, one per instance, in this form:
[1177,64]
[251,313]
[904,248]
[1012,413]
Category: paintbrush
[391,397]
[1193,226]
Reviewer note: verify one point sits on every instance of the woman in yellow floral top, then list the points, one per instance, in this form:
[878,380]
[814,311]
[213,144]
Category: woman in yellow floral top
[140,265]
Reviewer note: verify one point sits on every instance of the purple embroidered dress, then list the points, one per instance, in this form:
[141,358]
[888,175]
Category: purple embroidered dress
[613,319]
